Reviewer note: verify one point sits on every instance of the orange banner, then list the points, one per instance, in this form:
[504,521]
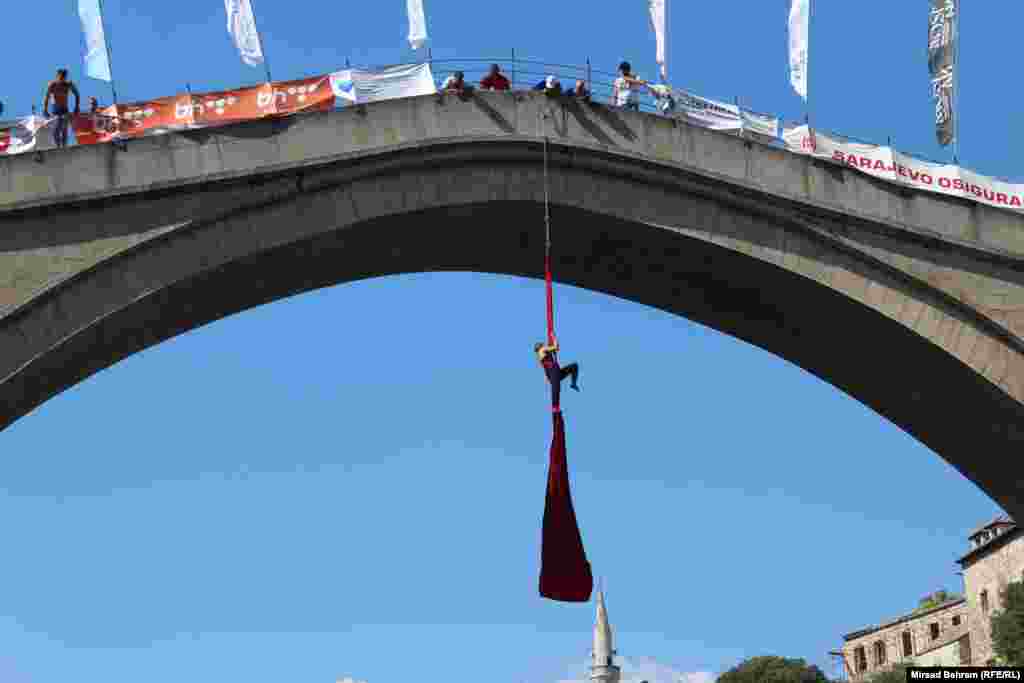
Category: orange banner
[231,106]
[131,120]
[306,94]
[96,127]
[181,112]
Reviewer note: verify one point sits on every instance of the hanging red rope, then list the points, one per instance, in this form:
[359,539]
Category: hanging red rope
[564,570]
[550,297]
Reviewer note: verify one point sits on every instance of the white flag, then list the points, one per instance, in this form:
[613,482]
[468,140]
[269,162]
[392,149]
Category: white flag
[799,18]
[97,64]
[417,24]
[242,27]
[657,9]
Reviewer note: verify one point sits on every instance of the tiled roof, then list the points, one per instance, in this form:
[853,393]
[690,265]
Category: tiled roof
[1001,519]
[1013,532]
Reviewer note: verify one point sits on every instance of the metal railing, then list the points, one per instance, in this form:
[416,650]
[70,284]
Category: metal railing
[525,73]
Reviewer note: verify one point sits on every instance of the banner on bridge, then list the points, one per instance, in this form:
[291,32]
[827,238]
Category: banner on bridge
[28,134]
[189,112]
[700,111]
[890,165]
[360,86]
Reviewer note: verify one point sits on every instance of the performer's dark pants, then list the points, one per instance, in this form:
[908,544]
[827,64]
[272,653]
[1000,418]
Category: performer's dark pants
[556,375]
[60,130]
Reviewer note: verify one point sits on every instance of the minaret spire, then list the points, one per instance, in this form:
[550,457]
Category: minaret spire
[602,670]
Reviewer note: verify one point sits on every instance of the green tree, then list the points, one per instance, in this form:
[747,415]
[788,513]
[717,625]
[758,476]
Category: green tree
[1008,626]
[773,670]
[937,598]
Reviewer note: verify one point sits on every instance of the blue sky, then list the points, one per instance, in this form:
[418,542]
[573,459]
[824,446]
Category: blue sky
[350,482]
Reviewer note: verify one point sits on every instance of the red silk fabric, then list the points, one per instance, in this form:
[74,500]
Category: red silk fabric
[564,571]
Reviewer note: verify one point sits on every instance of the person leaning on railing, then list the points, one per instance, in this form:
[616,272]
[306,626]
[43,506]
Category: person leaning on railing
[580,90]
[495,80]
[456,83]
[550,85]
[626,89]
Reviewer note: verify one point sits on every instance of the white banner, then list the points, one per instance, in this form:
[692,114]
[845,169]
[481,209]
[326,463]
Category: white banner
[657,10]
[799,20]
[97,62]
[417,24]
[760,124]
[359,86]
[707,113]
[242,27]
[885,163]
[28,134]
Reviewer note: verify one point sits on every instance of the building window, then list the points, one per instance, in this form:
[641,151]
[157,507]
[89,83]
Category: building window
[984,601]
[879,653]
[934,627]
[956,620]
[860,659]
[908,645]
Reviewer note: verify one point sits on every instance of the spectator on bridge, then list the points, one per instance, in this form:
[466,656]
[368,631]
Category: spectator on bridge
[456,83]
[101,122]
[550,85]
[58,89]
[626,89]
[580,90]
[495,80]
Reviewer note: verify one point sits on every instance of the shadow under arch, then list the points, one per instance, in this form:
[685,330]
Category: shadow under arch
[899,374]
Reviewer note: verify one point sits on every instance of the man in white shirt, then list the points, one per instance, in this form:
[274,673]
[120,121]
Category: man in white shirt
[626,89]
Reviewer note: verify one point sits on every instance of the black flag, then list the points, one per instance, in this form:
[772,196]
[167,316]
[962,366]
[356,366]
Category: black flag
[942,17]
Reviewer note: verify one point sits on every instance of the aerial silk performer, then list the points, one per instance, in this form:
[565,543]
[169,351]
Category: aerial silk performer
[564,571]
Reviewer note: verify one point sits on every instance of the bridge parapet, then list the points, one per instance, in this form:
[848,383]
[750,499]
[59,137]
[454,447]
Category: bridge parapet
[272,146]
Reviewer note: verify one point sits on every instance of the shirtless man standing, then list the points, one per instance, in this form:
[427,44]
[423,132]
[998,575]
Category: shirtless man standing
[58,90]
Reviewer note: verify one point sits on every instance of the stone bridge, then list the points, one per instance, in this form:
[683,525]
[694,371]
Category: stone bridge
[911,303]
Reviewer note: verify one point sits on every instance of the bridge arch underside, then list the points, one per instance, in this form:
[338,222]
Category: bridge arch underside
[807,289]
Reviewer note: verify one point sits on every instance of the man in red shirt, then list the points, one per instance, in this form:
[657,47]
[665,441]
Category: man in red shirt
[495,80]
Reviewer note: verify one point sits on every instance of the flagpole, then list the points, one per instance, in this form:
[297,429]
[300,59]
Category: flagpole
[106,44]
[266,62]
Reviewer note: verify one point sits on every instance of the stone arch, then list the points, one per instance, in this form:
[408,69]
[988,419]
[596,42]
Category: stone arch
[841,297]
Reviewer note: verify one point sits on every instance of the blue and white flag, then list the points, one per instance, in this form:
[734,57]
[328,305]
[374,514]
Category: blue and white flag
[799,21]
[242,27]
[97,59]
[417,24]
[657,11]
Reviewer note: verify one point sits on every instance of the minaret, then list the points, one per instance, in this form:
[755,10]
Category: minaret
[601,668]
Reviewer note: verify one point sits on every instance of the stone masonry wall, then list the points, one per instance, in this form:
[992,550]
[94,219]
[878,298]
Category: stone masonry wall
[990,572]
[919,626]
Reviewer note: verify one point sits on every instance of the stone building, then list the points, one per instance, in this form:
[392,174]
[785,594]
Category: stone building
[956,632]
[996,558]
[932,637]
